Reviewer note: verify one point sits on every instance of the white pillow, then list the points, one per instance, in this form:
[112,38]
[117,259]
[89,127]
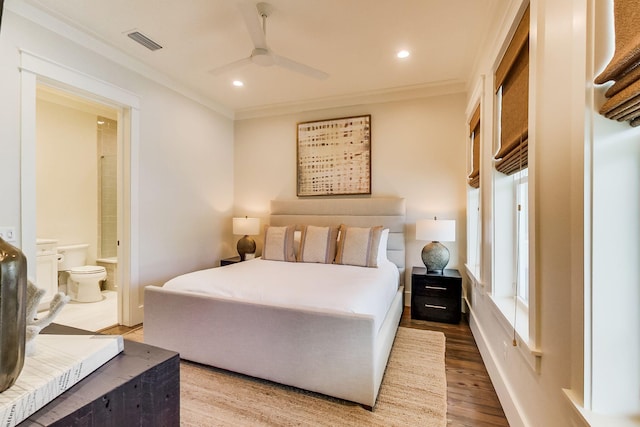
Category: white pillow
[382,248]
[318,244]
[278,243]
[359,246]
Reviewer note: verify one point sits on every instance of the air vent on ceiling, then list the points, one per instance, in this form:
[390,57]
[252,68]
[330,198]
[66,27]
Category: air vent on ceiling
[144,40]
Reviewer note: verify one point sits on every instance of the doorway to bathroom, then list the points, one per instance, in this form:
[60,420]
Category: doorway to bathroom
[37,70]
[77,206]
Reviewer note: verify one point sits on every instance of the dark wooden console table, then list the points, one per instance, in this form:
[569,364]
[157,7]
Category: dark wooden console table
[138,387]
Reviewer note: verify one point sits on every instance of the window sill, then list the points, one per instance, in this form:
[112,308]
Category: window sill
[473,271]
[504,311]
[591,419]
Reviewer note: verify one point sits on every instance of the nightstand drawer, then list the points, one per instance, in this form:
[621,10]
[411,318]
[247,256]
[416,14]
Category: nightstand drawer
[435,309]
[434,288]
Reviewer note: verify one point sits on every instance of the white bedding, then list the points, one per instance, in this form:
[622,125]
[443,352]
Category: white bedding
[326,287]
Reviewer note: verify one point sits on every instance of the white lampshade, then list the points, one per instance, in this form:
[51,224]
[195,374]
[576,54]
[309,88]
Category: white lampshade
[436,230]
[246,226]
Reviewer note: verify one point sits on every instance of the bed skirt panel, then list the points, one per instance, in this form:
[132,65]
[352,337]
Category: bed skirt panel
[330,353]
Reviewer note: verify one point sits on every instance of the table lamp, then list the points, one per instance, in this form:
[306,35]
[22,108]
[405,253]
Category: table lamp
[245,227]
[435,255]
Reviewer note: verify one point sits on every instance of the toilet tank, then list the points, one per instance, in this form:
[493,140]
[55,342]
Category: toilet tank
[71,256]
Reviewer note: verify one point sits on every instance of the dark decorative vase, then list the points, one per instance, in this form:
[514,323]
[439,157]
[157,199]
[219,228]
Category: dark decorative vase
[13,313]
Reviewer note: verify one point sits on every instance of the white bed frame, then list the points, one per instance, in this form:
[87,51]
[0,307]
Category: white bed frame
[336,354]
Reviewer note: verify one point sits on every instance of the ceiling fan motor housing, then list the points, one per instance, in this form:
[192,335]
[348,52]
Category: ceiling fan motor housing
[262,57]
[264,9]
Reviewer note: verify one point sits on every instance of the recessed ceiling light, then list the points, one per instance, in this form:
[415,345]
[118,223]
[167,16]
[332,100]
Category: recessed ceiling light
[403,54]
[238,83]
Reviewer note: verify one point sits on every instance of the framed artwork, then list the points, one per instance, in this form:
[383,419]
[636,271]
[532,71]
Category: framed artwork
[334,157]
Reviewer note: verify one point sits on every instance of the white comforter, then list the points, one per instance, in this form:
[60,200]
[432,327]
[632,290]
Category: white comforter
[327,287]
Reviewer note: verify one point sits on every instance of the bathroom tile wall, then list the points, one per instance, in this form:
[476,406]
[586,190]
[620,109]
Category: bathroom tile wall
[108,169]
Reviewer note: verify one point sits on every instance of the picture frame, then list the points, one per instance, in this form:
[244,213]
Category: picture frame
[334,157]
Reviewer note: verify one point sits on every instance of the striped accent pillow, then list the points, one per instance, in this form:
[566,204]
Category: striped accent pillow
[318,244]
[358,246]
[278,243]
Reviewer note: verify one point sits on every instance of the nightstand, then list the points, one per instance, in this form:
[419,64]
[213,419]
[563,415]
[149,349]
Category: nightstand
[227,261]
[436,297]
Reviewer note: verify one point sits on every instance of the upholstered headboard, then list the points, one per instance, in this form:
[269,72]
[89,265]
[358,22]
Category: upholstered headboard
[388,212]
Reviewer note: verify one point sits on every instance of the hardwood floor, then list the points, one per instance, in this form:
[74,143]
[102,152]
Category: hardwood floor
[471,398]
[120,330]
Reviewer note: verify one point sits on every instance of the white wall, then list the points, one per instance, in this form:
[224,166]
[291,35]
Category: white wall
[185,169]
[417,150]
[67,176]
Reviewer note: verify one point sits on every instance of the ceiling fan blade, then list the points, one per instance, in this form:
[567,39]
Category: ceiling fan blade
[299,68]
[231,66]
[252,21]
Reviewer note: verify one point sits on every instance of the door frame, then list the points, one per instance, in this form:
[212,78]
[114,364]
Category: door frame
[35,69]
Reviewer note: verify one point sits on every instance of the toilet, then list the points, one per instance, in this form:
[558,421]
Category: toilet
[82,281]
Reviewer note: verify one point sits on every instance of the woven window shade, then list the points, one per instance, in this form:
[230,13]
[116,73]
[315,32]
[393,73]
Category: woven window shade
[623,103]
[474,129]
[512,76]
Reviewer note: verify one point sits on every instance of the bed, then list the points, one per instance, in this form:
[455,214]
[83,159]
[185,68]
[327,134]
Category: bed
[340,350]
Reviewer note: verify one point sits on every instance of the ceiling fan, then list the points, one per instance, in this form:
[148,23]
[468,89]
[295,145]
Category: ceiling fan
[261,54]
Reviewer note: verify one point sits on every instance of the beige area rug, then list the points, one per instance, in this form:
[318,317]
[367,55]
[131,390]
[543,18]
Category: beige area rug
[413,393]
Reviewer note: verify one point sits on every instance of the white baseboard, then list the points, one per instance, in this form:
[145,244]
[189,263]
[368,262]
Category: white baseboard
[501,385]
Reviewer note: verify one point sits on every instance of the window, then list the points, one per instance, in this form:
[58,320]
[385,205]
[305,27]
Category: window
[510,288]
[473,195]
[473,232]
[511,162]
[521,181]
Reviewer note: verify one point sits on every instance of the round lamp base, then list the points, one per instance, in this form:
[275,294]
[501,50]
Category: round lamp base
[246,245]
[435,257]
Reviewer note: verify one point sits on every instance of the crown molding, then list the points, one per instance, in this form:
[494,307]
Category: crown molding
[34,12]
[402,93]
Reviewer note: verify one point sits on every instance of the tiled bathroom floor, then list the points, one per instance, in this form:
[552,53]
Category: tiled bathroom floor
[91,316]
